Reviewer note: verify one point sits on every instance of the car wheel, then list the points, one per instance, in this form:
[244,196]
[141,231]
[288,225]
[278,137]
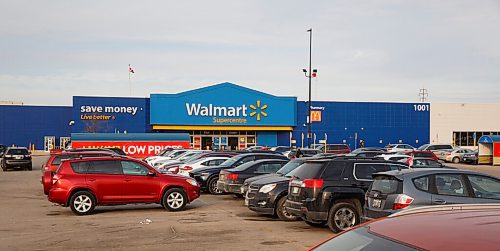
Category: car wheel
[456,160]
[212,186]
[315,223]
[342,216]
[281,211]
[4,167]
[82,203]
[174,199]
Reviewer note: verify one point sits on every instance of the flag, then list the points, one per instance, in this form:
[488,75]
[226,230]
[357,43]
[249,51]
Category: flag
[130,70]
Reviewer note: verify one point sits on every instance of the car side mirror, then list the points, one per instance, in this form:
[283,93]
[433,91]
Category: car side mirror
[151,174]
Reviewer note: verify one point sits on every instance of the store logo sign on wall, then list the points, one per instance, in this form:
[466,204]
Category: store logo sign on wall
[227,114]
[223,104]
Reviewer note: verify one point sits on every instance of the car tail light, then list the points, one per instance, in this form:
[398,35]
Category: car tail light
[187,168]
[312,183]
[402,201]
[232,176]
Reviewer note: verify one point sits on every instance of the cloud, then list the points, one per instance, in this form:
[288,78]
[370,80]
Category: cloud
[367,51]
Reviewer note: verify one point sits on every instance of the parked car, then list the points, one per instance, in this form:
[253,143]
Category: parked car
[365,149]
[306,152]
[456,155]
[16,157]
[174,165]
[394,157]
[334,148]
[471,158]
[280,149]
[394,148]
[208,176]
[83,184]
[231,180]
[422,154]
[171,156]
[448,227]
[424,163]
[365,154]
[288,167]
[167,155]
[333,191]
[394,191]
[266,194]
[163,152]
[186,168]
[435,147]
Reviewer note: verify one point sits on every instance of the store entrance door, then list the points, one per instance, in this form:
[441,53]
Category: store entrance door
[233,143]
[206,143]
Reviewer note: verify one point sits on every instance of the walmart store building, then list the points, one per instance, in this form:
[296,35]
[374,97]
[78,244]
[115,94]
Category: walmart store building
[225,115]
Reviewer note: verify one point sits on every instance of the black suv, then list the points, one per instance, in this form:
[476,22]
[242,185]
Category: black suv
[207,177]
[16,157]
[333,191]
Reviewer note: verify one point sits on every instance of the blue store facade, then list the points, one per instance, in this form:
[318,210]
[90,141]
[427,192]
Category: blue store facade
[228,116]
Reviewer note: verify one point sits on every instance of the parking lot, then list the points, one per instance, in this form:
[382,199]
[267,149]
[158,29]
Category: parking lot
[29,222]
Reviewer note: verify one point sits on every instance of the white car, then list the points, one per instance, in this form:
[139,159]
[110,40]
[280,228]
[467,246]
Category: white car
[394,157]
[394,148]
[172,155]
[184,169]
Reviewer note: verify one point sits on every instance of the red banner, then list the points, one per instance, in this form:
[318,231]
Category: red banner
[136,149]
[497,150]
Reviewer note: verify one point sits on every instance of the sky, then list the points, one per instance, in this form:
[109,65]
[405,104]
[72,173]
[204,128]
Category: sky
[363,50]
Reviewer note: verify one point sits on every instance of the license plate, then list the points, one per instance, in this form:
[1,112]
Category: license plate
[376,203]
[18,157]
[242,190]
[295,190]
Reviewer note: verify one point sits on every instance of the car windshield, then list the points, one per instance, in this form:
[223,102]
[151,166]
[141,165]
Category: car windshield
[17,152]
[290,166]
[361,239]
[390,146]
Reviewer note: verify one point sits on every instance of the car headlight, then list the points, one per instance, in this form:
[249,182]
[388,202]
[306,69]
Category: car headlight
[192,182]
[267,188]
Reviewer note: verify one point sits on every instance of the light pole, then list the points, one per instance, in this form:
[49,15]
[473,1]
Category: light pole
[311,75]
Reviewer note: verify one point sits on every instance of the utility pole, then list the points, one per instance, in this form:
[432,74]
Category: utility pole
[423,94]
[312,74]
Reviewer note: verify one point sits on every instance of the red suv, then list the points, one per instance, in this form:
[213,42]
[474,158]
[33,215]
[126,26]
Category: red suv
[82,184]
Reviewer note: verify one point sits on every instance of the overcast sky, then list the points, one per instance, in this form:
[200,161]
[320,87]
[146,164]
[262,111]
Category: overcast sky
[363,50]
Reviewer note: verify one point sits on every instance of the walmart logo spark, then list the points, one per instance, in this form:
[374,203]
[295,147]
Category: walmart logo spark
[258,110]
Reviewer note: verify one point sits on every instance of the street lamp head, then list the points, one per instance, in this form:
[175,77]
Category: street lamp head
[304,70]
[309,30]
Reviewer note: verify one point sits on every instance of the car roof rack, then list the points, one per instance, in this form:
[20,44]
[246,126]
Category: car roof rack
[440,208]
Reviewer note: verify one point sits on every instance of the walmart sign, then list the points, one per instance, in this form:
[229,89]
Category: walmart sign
[223,104]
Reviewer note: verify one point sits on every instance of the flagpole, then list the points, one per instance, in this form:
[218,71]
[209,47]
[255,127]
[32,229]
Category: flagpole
[129,82]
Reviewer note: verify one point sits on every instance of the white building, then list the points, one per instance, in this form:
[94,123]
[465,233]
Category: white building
[463,124]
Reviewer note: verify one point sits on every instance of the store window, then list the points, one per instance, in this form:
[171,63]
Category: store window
[469,138]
